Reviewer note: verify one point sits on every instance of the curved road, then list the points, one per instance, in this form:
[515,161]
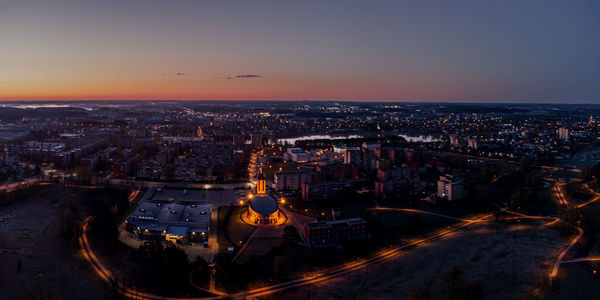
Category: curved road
[384,255]
[106,274]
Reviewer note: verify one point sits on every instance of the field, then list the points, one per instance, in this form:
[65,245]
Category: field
[394,227]
[232,231]
[390,221]
[31,235]
[258,247]
[508,260]
[575,282]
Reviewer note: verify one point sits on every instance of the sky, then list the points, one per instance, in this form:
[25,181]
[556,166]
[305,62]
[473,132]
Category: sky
[463,51]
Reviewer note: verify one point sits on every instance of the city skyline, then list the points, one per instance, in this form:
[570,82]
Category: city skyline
[318,149]
[514,51]
[298,199]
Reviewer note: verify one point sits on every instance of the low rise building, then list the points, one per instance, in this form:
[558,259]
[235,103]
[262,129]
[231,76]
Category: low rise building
[326,232]
[123,166]
[325,190]
[181,220]
[291,181]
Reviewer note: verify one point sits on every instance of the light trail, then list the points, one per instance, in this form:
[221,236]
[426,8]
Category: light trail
[412,210]
[581,259]
[9,187]
[559,194]
[596,197]
[91,187]
[358,265]
[562,254]
[524,216]
[134,194]
[106,275]
[552,222]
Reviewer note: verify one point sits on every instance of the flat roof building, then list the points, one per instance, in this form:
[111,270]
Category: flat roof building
[171,215]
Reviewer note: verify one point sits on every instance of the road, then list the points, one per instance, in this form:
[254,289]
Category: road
[319,277]
[134,194]
[594,199]
[106,275]
[23,183]
[358,265]
[562,254]
[558,193]
[411,210]
[562,200]
[581,259]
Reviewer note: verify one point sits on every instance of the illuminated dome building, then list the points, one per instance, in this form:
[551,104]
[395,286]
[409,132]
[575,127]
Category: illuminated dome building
[262,208]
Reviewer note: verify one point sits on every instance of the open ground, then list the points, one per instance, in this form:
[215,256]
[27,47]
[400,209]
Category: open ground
[31,234]
[508,259]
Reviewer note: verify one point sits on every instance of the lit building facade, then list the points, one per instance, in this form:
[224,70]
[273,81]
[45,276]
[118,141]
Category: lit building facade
[450,187]
[262,208]
[183,219]
[291,181]
[563,133]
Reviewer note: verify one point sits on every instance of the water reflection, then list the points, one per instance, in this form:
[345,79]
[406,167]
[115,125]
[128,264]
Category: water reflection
[412,139]
[318,137]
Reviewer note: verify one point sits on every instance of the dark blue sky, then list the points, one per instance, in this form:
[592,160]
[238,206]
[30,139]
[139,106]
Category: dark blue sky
[533,51]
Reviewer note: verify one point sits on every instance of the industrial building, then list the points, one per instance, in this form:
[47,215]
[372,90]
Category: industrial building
[176,216]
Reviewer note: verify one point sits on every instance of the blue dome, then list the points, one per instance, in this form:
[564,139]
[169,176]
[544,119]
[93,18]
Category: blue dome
[264,204]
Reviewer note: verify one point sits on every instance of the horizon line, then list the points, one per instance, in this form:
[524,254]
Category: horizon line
[310,100]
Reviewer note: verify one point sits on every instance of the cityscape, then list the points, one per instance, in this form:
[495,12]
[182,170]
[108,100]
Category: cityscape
[221,199]
[321,150]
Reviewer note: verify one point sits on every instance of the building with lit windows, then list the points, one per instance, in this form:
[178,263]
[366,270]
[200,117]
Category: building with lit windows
[325,190]
[563,133]
[450,187]
[291,181]
[177,216]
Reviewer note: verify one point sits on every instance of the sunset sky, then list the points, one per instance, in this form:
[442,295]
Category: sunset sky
[510,50]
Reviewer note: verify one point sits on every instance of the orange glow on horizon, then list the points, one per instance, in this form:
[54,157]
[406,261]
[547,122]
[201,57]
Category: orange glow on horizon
[108,86]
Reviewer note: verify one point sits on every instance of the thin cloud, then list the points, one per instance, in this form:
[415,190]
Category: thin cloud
[180,73]
[248,76]
[241,76]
